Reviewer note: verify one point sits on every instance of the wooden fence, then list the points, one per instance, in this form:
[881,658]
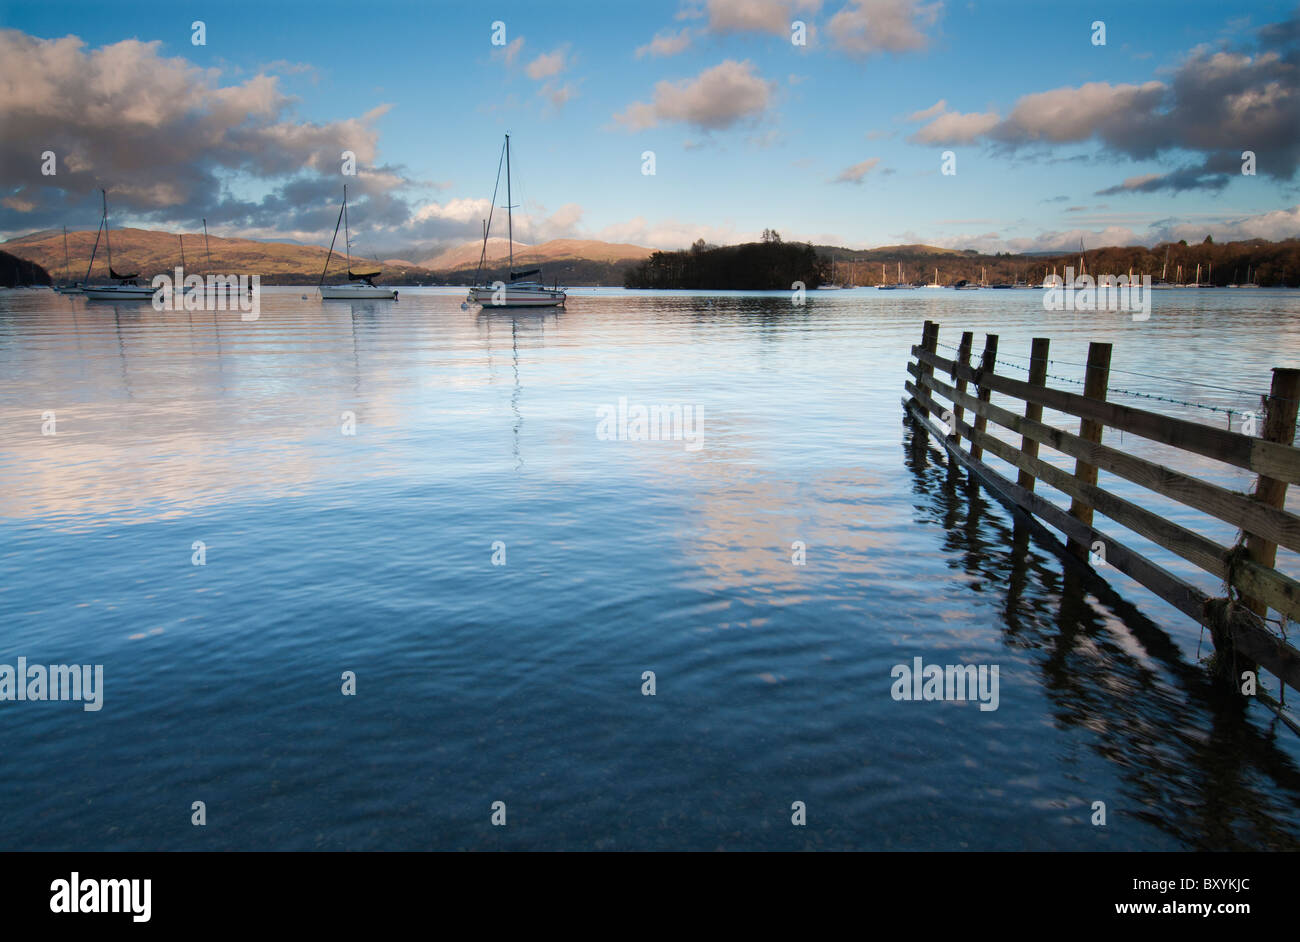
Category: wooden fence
[1252,583]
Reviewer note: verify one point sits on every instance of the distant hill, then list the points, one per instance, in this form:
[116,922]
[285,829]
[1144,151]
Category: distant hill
[576,262]
[150,252]
[1270,263]
[467,255]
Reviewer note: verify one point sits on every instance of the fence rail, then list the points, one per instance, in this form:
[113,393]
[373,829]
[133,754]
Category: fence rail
[1248,570]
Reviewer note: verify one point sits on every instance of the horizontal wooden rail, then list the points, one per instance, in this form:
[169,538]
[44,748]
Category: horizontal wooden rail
[1239,510]
[1278,590]
[1271,459]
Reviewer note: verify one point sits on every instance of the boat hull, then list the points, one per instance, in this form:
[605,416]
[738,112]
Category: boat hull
[515,296]
[118,293]
[355,292]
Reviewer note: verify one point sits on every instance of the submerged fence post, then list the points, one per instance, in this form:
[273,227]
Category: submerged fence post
[930,344]
[1034,411]
[987,363]
[1280,408]
[1095,385]
[962,359]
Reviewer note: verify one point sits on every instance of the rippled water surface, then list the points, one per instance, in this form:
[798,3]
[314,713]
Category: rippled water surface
[372,552]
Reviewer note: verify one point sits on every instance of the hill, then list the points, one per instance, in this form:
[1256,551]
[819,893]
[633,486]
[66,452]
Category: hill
[149,252]
[467,255]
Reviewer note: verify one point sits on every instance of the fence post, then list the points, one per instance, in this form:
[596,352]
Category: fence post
[1280,407]
[987,362]
[962,359]
[1095,385]
[1033,411]
[930,344]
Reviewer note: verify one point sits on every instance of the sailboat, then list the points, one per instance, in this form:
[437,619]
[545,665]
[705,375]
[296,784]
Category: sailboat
[935,283]
[127,287]
[517,293]
[69,287]
[832,285]
[899,285]
[360,284]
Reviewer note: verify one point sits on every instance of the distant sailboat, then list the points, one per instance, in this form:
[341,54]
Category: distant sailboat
[935,283]
[361,285]
[899,285]
[68,286]
[516,293]
[127,287]
[832,285]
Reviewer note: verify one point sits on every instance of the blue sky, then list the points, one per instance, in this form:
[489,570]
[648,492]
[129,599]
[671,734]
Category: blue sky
[748,130]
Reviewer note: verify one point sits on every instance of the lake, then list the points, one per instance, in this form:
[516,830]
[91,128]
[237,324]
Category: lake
[423,496]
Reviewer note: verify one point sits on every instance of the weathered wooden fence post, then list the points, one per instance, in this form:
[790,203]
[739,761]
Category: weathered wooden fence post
[1095,386]
[1280,408]
[1034,411]
[962,359]
[987,363]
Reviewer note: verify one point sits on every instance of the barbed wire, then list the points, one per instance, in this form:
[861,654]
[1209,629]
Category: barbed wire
[1173,400]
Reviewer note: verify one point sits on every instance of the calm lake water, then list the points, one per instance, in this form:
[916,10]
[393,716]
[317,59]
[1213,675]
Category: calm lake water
[372,552]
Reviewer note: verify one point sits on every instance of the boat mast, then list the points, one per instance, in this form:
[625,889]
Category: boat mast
[333,239]
[107,241]
[510,215]
[347,239]
[207,248]
[67,262]
[94,250]
[181,239]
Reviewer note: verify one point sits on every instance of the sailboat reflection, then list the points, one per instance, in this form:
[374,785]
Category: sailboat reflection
[523,321]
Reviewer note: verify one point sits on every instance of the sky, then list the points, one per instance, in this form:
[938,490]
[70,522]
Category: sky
[1055,138]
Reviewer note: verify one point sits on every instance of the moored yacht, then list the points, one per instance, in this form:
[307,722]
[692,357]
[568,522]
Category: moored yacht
[128,287]
[517,292]
[360,285]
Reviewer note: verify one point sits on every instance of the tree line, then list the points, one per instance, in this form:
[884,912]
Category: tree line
[769,265]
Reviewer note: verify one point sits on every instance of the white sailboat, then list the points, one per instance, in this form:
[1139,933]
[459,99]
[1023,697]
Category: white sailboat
[128,288]
[517,292]
[361,285]
[900,285]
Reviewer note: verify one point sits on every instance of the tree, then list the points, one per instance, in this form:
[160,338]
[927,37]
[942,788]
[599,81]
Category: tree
[771,235]
[1209,240]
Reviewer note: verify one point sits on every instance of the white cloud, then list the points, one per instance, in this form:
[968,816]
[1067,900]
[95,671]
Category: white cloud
[546,65]
[939,107]
[717,98]
[866,27]
[858,172]
[766,16]
[666,44]
[955,128]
